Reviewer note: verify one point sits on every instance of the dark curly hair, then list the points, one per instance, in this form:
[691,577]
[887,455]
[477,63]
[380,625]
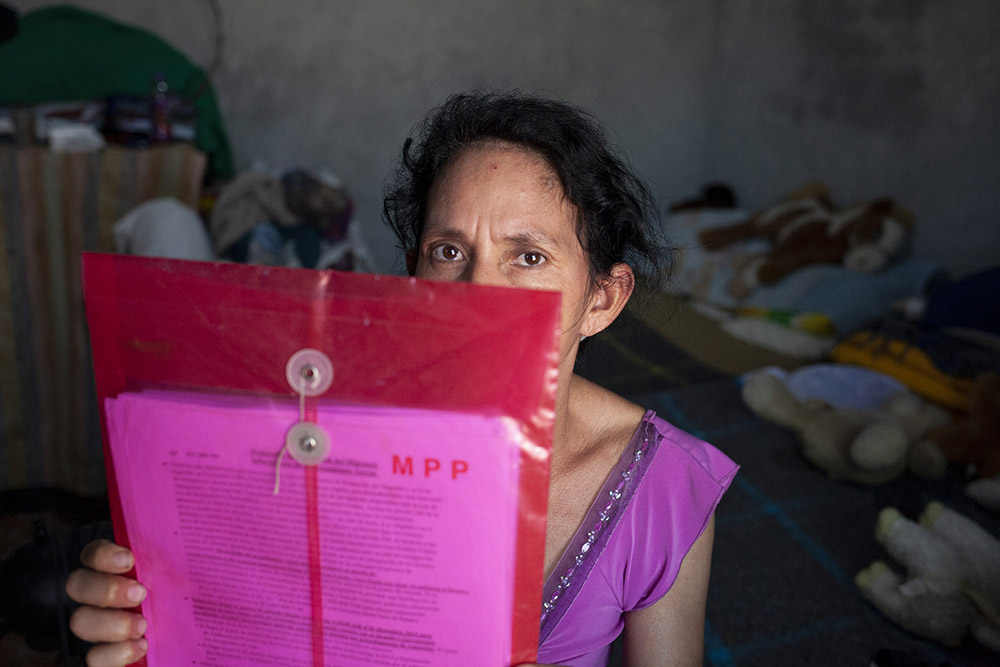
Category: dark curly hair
[618,221]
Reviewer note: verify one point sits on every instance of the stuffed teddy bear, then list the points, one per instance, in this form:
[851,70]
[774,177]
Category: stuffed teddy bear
[864,446]
[806,228]
[952,585]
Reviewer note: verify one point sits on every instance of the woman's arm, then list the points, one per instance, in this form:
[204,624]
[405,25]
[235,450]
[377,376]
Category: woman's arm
[672,631]
[104,596]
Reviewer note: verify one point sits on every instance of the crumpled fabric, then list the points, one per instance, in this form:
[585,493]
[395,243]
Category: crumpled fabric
[246,201]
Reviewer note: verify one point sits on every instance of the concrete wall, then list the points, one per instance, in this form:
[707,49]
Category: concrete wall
[894,97]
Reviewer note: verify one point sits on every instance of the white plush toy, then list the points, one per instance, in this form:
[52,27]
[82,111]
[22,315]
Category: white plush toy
[985,491]
[952,586]
[865,446]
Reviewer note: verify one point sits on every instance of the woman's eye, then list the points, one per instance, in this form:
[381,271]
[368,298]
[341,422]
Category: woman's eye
[446,253]
[532,258]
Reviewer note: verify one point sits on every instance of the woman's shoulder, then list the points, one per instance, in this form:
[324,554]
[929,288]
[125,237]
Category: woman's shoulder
[682,480]
[610,422]
[688,454]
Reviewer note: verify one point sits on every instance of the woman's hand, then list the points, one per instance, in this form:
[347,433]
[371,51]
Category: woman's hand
[104,596]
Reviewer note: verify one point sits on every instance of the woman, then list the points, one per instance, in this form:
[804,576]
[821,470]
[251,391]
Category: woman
[505,189]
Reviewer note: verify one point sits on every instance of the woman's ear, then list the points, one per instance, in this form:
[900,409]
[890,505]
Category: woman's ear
[411,262]
[608,299]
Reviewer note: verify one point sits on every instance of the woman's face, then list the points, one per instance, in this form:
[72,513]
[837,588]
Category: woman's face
[497,216]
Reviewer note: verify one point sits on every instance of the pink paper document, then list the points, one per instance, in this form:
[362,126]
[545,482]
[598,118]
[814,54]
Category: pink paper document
[417,515]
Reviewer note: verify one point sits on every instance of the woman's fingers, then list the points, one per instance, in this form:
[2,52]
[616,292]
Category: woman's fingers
[106,556]
[104,595]
[106,625]
[116,655]
[104,590]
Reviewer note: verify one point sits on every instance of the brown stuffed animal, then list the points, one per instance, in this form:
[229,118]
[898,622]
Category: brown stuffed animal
[974,439]
[806,228]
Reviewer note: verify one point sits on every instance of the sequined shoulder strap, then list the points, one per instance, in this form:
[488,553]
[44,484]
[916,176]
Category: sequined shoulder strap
[591,538]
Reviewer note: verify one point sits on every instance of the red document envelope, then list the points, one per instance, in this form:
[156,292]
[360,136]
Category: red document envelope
[326,468]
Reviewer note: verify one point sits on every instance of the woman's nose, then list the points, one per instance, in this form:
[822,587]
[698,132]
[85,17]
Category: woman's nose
[483,273]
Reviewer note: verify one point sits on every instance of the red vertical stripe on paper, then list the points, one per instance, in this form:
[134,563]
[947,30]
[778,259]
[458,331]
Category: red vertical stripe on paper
[315,575]
[312,531]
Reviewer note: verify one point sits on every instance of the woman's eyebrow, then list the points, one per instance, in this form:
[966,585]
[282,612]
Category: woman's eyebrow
[447,234]
[525,237]
[530,237]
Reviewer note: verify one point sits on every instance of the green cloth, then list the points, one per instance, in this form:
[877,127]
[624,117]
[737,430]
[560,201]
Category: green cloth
[63,53]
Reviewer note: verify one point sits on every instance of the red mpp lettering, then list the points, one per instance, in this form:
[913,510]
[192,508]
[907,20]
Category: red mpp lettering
[431,466]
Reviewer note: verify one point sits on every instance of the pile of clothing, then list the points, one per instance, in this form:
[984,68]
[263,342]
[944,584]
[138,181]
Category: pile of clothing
[297,219]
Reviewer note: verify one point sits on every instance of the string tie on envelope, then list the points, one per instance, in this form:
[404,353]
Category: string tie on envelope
[310,373]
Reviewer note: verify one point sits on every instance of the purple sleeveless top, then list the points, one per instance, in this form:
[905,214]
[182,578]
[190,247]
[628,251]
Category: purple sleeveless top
[626,554]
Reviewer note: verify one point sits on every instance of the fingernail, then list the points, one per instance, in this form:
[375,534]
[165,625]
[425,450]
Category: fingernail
[140,626]
[122,559]
[136,592]
[143,645]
